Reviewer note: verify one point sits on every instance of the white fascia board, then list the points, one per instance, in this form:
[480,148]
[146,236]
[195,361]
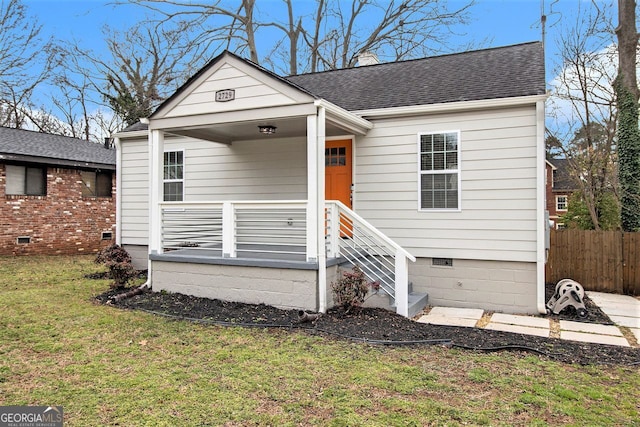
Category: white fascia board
[450,107]
[345,118]
[133,134]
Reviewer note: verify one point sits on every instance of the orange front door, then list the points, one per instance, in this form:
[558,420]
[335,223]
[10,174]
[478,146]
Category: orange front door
[338,176]
[337,171]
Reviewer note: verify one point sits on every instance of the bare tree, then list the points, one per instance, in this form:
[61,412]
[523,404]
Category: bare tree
[21,52]
[325,34]
[583,109]
[394,30]
[146,64]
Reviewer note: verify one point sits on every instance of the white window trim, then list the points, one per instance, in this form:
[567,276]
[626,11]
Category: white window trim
[566,203]
[458,171]
[184,170]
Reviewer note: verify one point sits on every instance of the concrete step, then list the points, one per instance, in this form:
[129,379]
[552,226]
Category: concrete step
[417,302]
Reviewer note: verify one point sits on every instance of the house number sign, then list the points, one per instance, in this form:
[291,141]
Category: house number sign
[225,95]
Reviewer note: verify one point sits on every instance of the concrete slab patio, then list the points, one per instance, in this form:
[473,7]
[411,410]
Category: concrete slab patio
[528,325]
[451,316]
[592,332]
[623,310]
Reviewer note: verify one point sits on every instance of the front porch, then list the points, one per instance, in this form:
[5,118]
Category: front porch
[249,177]
[258,252]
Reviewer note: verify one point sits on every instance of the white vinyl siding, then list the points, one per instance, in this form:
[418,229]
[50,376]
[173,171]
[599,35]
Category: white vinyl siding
[497,220]
[135,192]
[273,169]
[250,92]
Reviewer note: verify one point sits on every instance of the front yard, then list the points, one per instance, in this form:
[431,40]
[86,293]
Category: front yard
[108,366]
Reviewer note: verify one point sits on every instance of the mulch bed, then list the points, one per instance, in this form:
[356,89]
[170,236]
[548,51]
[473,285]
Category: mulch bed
[379,326]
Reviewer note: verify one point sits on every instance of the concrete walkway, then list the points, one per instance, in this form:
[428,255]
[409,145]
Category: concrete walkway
[622,310]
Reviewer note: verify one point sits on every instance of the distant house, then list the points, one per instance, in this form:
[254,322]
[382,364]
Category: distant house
[559,187]
[428,174]
[56,194]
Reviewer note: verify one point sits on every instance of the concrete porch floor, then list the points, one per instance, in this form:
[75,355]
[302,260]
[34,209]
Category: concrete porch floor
[279,256]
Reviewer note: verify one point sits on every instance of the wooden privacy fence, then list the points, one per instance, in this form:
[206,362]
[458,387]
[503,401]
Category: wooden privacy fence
[606,261]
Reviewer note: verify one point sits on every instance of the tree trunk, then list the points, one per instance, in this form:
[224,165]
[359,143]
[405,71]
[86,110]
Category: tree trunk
[627,45]
[626,88]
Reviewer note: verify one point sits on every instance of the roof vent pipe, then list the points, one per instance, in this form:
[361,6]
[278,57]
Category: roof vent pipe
[367,58]
[107,142]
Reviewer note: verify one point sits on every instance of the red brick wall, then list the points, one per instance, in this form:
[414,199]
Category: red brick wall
[62,222]
[550,197]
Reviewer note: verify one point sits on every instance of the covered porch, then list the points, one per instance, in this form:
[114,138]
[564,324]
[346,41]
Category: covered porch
[264,234]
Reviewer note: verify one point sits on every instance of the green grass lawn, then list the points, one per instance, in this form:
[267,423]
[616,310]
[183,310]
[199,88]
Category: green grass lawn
[107,366]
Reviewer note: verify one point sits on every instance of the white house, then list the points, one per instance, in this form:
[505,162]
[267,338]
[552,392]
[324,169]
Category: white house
[428,173]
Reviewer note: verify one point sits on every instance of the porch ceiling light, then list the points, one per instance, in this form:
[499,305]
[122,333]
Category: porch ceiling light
[267,129]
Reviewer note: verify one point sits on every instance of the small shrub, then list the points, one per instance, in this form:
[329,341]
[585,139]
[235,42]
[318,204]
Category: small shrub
[351,290]
[118,261]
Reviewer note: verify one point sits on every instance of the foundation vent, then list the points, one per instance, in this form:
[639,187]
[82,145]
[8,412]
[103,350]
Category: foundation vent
[442,262]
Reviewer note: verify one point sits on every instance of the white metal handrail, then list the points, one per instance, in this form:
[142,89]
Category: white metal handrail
[360,243]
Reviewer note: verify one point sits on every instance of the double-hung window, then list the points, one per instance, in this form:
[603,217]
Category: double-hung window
[26,180]
[439,185]
[173,176]
[562,202]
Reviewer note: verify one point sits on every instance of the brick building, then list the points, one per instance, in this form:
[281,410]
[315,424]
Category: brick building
[56,194]
[559,187]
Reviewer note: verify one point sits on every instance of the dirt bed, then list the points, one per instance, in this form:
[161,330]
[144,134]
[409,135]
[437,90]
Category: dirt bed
[379,326]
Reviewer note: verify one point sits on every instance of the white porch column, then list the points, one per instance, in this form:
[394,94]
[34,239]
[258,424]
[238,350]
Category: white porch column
[118,145]
[156,166]
[312,188]
[320,195]
[402,284]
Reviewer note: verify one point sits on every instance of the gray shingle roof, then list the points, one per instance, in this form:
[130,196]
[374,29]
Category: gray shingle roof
[53,149]
[494,73]
[502,72]
[562,180]
[135,127]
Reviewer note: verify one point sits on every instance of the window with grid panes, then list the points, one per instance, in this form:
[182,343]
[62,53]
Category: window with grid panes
[173,176]
[562,202]
[335,156]
[439,171]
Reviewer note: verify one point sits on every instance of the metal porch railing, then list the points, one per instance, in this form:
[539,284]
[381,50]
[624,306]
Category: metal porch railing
[382,260]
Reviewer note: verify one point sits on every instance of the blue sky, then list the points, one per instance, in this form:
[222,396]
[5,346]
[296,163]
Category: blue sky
[493,22]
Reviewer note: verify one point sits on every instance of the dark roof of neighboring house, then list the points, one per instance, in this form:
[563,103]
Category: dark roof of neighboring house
[562,180]
[136,126]
[501,72]
[35,147]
